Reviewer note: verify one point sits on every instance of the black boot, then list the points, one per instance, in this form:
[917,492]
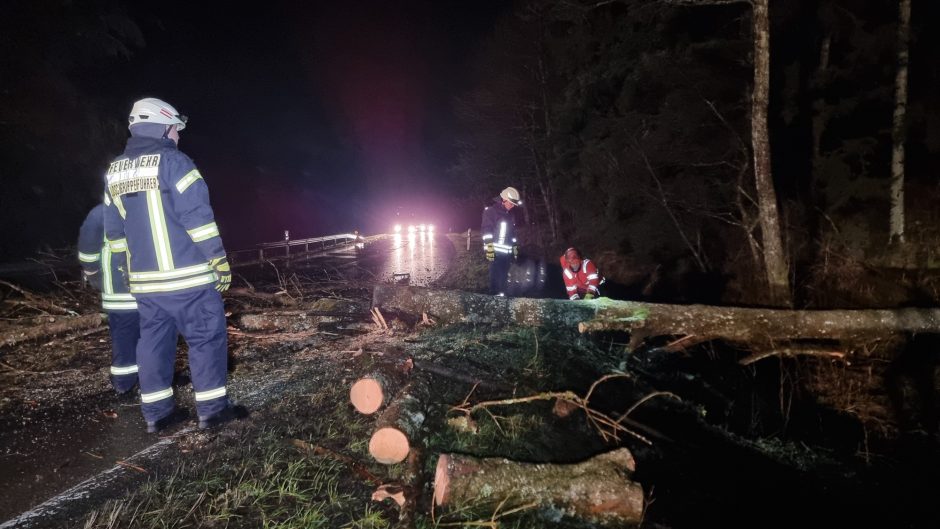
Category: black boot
[233,412]
[128,396]
[180,379]
[176,416]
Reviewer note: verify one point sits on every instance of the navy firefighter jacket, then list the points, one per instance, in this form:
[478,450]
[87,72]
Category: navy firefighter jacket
[498,227]
[98,257]
[158,206]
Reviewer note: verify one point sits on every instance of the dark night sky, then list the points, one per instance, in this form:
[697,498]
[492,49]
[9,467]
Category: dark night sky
[313,117]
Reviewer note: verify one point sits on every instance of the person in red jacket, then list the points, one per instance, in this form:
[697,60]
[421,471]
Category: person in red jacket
[582,281]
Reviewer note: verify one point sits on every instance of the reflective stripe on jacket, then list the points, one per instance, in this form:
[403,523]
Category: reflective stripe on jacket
[499,228]
[578,283]
[158,202]
[97,256]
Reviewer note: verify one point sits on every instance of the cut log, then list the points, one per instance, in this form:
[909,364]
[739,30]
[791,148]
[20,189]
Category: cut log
[54,325]
[398,426]
[598,491]
[372,391]
[732,324]
[388,373]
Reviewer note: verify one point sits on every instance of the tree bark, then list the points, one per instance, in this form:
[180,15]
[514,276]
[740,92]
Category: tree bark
[775,259]
[281,321]
[291,320]
[55,325]
[759,326]
[898,130]
[598,491]
[734,324]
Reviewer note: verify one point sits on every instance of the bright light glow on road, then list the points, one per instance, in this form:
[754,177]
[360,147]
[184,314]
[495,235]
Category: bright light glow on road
[430,227]
[422,227]
[414,255]
[411,229]
[397,228]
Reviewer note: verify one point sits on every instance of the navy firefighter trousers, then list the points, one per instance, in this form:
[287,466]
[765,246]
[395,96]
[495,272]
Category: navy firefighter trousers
[124,326]
[499,273]
[199,315]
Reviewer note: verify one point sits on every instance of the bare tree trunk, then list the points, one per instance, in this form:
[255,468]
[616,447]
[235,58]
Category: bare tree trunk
[898,132]
[545,189]
[775,260]
[548,188]
[820,114]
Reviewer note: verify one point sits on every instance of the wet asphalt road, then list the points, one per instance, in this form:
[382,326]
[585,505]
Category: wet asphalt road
[51,456]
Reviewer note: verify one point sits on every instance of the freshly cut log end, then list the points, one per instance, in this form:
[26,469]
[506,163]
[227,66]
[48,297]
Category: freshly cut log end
[441,480]
[389,446]
[367,395]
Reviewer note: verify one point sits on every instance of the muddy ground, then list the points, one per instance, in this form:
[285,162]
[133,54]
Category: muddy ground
[716,444]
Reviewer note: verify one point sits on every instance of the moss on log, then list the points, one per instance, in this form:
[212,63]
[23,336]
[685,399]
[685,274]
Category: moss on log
[598,491]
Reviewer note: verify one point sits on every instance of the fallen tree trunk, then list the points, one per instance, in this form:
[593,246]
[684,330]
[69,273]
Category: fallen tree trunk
[703,322]
[450,306]
[598,491]
[278,298]
[290,320]
[461,377]
[749,325]
[54,325]
[398,426]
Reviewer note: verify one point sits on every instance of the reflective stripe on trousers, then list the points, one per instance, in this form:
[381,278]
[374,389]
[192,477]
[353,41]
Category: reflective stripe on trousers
[200,317]
[124,326]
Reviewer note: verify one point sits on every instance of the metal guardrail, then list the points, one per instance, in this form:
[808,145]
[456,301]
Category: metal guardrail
[260,253]
[282,249]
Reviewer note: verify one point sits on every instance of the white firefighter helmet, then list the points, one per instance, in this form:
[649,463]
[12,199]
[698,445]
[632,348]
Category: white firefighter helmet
[153,110]
[511,194]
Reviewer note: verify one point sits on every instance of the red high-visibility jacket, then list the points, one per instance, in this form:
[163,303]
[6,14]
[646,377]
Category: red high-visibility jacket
[578,283]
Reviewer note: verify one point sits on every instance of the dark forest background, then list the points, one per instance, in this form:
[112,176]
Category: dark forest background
[624,123]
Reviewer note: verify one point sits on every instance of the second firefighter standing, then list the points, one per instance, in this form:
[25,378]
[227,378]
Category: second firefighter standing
[104,266]
[157,204]
[500,245]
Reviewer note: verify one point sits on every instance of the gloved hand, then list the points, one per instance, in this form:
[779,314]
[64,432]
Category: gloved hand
[224,271]
[93,278]
[589,295]
[515,251]
[490,251]
[124,277]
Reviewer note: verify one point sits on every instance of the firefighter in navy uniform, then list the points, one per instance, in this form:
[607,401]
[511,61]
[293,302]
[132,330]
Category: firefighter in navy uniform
[104,266]
[157,204]
[499,238]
